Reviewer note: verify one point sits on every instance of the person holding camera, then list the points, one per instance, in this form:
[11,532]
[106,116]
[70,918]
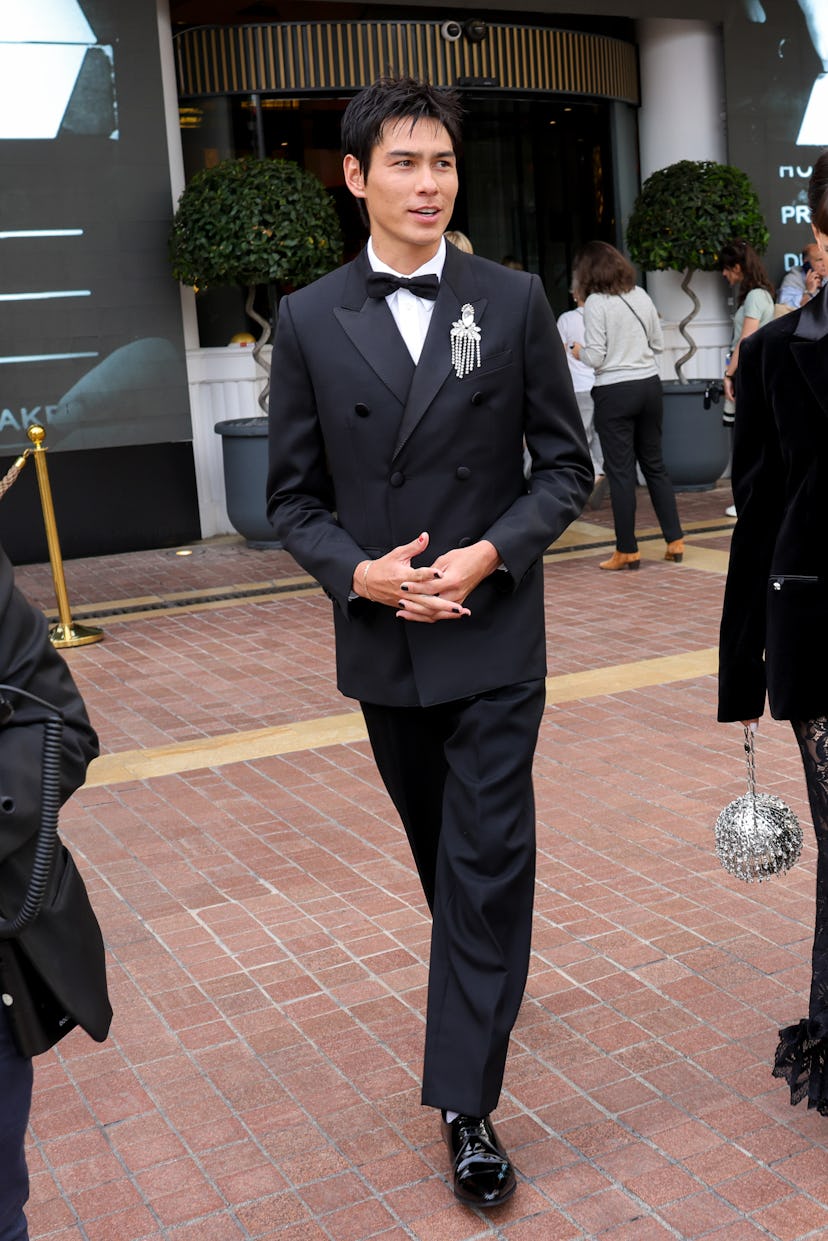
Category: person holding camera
[52,970]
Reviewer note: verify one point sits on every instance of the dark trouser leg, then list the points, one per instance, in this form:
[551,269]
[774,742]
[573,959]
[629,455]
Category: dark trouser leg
[482,928]
[484,883]
[615,412]
[648,451]
[407,743]
[813,744]
[15,1104]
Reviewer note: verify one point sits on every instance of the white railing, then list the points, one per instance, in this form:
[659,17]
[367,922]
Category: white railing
[224,383]
[712,339]
[710,329]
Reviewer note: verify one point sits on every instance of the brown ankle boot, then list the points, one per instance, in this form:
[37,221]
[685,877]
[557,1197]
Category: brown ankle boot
[675,551]
[622,560]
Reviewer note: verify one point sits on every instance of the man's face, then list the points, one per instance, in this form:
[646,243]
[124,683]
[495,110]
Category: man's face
[815,255]
[409,191]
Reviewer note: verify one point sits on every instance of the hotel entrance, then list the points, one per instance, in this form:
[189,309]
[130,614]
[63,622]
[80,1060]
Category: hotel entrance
[549,158]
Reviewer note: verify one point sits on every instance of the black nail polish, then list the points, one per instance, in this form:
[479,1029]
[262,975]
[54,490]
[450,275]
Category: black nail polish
[403,588]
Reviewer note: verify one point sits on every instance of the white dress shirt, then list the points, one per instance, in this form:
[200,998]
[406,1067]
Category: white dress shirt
[412,314]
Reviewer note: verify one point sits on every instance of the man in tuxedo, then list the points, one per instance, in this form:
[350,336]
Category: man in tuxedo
[404,386]
[52,966]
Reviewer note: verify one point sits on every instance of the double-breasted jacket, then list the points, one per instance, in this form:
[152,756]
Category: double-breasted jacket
[368,450]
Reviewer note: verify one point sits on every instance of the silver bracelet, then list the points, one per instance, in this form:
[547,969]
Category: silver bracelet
[368,594]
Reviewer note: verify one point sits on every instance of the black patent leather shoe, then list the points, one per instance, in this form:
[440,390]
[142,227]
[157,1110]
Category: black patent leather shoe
[483,1174]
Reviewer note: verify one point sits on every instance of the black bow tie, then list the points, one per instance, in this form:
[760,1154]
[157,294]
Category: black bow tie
[381,283]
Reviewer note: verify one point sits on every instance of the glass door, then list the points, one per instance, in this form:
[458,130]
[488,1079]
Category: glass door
[536,184]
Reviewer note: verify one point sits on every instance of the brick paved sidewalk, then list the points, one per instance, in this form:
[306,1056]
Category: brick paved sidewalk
[268,942]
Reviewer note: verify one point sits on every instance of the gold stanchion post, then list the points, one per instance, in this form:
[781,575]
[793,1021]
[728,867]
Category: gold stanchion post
[65,632]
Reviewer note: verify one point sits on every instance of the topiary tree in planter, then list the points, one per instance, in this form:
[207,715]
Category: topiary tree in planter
[251,222]
[684,215]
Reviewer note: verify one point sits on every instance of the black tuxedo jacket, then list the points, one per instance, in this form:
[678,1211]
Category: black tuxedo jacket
[367,451]
[62,948]
[775,616]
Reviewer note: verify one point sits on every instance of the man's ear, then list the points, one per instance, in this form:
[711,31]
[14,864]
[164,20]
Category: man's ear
[354,178]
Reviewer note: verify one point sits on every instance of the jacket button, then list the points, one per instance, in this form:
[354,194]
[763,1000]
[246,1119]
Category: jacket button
[462,472]
[477,398]
[465,542]
[397,479]
[362,410]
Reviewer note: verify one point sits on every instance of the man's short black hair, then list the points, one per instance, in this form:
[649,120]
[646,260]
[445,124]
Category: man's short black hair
[390,99]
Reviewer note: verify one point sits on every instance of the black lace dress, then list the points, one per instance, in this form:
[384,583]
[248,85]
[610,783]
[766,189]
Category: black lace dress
[802,1054]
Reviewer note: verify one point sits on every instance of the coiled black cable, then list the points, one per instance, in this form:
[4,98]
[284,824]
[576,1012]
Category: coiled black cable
[52,723]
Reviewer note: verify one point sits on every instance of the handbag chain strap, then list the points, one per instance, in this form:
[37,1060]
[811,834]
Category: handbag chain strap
[750,755]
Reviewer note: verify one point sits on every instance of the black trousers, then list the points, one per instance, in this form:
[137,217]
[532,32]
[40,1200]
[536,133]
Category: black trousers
[628,418]
[460,776]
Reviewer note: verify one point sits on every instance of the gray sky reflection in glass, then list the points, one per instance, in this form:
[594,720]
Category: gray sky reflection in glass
[54,75]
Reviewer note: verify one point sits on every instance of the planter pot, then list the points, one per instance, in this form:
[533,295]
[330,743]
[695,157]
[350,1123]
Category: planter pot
[244,451]
[695,444]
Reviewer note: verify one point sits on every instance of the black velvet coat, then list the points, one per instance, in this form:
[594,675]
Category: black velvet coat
[367,451]
[57,963]
[775,617]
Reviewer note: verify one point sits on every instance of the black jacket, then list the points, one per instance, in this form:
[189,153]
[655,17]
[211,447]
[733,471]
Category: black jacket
[775,615]
[54,971]
[367,451]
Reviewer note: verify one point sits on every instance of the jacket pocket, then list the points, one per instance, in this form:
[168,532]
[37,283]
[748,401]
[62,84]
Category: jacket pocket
[489,365]
[778,581]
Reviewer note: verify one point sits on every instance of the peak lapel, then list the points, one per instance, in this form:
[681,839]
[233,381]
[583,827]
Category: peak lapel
[809,347]
[370,326]
[457,286]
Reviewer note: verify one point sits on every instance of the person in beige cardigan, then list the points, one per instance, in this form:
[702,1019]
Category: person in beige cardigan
[622,336]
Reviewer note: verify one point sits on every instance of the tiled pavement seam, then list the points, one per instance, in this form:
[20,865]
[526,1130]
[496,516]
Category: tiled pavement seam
[268,944]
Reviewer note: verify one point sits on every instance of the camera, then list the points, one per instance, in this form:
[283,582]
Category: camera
[475,30]
[451,31]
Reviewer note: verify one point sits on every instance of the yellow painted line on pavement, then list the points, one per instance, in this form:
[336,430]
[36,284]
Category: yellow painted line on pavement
[238,747]
[621,678]
[347,728]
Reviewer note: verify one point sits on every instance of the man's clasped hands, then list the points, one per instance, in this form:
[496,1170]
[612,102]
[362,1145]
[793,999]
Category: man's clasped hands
[434,593]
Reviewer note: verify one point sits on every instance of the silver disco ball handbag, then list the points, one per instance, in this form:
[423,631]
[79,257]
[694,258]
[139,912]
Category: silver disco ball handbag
[757,835]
